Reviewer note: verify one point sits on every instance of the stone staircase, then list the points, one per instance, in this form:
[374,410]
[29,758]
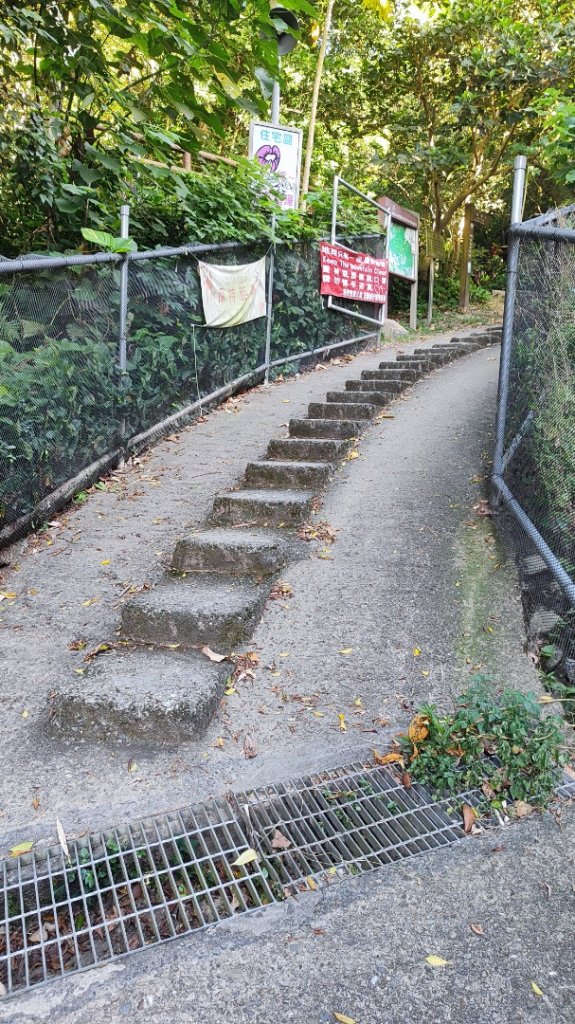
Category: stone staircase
[164,691]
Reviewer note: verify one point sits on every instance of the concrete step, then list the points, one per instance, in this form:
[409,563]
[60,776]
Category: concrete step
[398,372]
[416,363]
[359,393]
[339,430]
[371,387]
[435,356]
[340,411]
[312,475]
[308,449]
[158,697]
[204,610]
[393,385]
[236,552]
[262,507]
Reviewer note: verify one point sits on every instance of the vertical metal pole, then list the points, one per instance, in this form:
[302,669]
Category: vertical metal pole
[276,103]
[334,207]
[387,250]
[124,233]
[267,356]
[430,292]
[519,171]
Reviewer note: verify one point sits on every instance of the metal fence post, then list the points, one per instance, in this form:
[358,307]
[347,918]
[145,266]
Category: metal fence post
[122,342]
[519,169]
[268,348]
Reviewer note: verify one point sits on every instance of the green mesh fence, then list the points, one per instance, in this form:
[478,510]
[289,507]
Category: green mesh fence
[64,403]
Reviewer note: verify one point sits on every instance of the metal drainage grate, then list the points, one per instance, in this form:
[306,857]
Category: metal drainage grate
[150,882]
[121,891]
[343,822]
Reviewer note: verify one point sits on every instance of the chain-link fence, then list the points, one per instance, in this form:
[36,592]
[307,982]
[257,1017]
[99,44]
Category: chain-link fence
[65,404]
[534,468]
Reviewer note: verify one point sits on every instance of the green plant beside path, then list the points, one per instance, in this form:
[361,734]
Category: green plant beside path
[498,743]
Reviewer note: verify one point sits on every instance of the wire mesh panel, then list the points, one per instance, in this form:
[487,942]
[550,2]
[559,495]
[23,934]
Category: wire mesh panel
[60,394]
[540,429]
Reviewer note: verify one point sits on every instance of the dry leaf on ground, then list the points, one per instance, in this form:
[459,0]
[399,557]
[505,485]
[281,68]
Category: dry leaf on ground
[279,841]
[418,729]
[469,817]
[522,809]
[250,748]
[62,838]
[536,988]
[437,961]
[387,758]
[247,857]
[212,655]
[476,928]
[21,848]
[343,1019]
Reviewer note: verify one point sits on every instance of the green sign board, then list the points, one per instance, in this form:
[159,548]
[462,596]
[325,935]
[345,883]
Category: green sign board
[402,250]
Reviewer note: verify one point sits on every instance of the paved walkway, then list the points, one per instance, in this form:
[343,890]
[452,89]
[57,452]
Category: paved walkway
[412,566]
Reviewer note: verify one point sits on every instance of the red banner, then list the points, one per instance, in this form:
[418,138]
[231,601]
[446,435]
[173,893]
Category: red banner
[352,275]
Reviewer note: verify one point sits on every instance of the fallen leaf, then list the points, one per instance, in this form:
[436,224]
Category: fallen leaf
[342,725]
[418,729]
[212,655]
[62,839]
[77,645]
[468,817]
[247,857]
[105,562]
[132,765]
[358,702]
[284,654]
[546,698]
[279,841]
[476,928]
[354,454]
[38,936]
[219,742]
[250,749]
[437,961]
[35,803]
[536,988]
[341,1017]
[345,650]
[25,713]
[3,990]
[387,758]
[522,809]
[25,847]
[406,780]
[425,673]
[312,884]
[90,601]
[416,652]
[229,691]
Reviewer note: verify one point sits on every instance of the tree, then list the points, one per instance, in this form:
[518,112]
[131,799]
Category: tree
[90,86]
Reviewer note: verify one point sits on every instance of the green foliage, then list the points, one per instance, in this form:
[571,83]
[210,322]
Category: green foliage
[499,743]
[63,402]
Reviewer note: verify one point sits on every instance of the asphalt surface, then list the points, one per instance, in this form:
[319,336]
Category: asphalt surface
[413,568]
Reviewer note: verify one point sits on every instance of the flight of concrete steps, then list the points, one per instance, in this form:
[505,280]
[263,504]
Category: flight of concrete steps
[164,691]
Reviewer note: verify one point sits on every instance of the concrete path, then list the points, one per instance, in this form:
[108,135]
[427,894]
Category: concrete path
[413,566]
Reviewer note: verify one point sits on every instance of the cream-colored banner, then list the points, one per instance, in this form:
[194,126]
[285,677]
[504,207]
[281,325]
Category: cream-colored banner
[233,294]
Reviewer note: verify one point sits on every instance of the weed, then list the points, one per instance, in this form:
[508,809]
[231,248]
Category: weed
[498,743]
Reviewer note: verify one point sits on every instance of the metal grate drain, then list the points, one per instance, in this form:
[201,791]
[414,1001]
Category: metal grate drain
[121,891]
[344,822]
[152,881]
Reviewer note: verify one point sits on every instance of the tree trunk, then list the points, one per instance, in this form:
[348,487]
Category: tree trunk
[315,97]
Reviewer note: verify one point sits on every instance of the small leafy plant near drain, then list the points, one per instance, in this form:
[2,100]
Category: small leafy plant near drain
[498,743]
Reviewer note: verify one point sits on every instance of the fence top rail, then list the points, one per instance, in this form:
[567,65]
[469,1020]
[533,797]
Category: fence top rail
[544,233]
[550,218]
[27,263]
